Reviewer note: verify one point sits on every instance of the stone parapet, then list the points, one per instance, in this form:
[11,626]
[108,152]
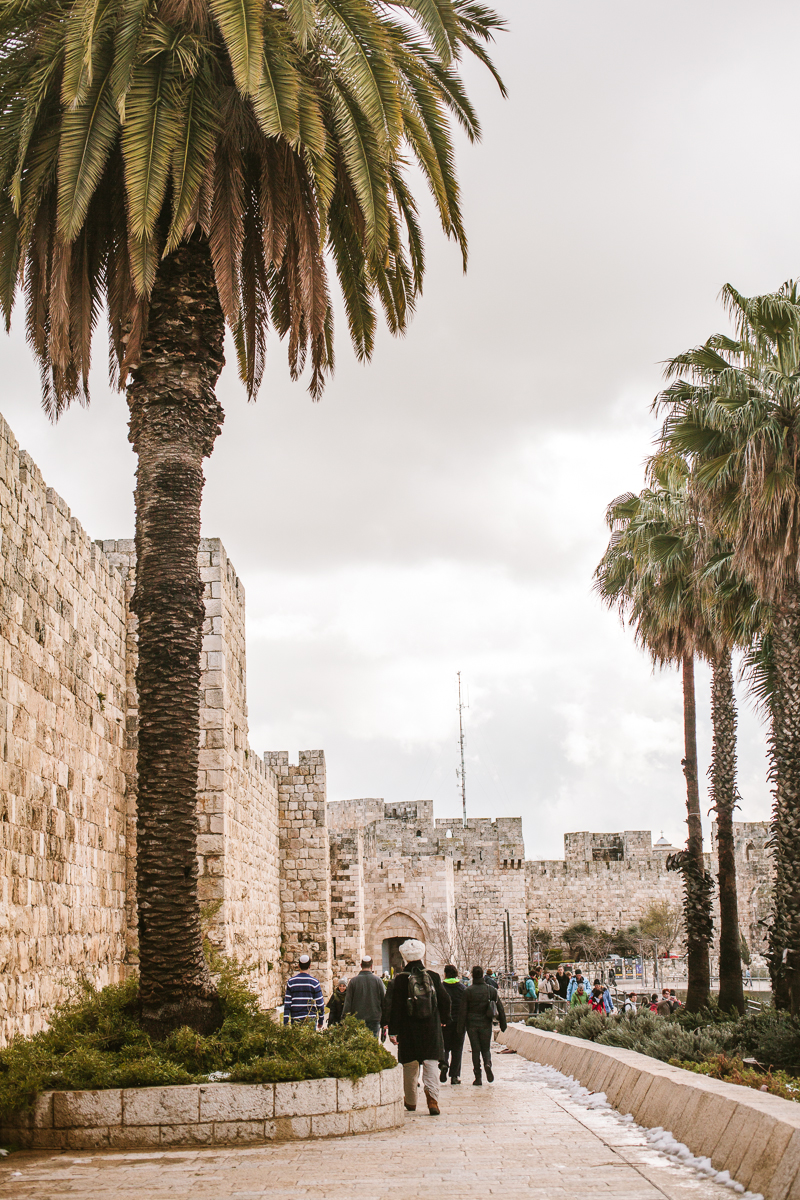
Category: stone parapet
[753,1136]
[209,1114]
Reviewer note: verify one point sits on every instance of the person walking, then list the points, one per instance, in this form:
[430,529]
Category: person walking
[576,982]
[420,1007]
[600,998]
[530,993]
[453,1038]
[545,992]
[303,998]
[579,996]
[491,979]
[561,983]
[629,1005]
[481,1001]
[364,997]
[336,1003]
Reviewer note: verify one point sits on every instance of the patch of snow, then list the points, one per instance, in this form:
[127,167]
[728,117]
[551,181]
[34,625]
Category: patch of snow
[660,1140]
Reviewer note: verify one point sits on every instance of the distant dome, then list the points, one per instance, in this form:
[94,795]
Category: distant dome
[662,843]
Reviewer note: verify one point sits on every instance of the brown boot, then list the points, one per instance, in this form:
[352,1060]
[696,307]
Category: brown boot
[410,1107]
[433,1105]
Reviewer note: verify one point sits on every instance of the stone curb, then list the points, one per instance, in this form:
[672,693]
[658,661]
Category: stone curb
[209,1114]
[754,1136]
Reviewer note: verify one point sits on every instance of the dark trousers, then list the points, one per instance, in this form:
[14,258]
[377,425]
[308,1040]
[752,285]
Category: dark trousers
[374,1027]
[453,1049]
[480,1040]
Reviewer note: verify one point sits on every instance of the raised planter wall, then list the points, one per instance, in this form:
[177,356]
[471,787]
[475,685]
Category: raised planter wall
[754,1136]
[209,1114]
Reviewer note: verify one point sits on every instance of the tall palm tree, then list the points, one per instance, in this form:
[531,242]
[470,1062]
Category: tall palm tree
[736,619]
[649,572]
[192,164]
[734,408]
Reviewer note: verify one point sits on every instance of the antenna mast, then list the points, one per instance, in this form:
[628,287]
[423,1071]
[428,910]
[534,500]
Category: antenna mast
[462,773]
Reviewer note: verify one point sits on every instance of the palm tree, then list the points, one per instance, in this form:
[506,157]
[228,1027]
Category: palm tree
[734,408]
[191,164]
[649,572]
[736,619]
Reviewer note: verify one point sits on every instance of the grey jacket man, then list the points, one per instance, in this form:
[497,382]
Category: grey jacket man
[364,997]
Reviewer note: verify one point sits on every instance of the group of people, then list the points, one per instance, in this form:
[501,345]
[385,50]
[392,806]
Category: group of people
[426,1015]
[663,1005]
[542,988]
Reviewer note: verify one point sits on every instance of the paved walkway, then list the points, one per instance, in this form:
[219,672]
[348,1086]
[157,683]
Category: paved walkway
[515,1138]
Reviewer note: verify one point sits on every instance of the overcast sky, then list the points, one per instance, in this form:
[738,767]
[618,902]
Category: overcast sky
[442,509]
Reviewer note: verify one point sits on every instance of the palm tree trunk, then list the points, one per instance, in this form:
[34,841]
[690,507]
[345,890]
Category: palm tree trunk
[174,421]
[724,796]
[784,934]
[696,939]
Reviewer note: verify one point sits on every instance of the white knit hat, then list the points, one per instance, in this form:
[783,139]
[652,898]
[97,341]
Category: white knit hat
[412,950]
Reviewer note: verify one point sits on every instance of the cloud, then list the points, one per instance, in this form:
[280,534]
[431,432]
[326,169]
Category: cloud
[443,508]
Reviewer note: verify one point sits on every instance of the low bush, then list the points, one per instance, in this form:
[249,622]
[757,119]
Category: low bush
[771,1037]
[660,1037]
[733,1070]
[95,1041]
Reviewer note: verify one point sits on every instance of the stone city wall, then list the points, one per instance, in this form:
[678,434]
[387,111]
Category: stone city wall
[611,879]
[305,874]
[68,727]
[607,879]
[409,896]
[423,878]
[62,751]
[347,901]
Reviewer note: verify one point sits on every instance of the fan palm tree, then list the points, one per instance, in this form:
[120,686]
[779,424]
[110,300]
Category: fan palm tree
[649,572]
[191,164]
[734,408]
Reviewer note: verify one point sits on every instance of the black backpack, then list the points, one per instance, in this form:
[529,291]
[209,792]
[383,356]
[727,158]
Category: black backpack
[421,998]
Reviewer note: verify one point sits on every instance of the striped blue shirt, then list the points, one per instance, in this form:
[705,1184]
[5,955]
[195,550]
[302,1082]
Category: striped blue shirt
[303,997]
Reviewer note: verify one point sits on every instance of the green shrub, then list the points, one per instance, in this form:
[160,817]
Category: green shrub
[772,1037]
[95,1041]
[733,1070]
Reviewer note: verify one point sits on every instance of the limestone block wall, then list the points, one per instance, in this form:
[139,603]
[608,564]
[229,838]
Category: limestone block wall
[754,874]
[409,896]
[238,844]
[612,894]
[353,814]
[68,729]
[305,867]
[609,895]
[347,901]
[62,751]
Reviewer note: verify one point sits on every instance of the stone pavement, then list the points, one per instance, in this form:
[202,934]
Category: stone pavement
[515,1138]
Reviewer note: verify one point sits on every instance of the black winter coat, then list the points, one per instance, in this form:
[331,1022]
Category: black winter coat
[335,1006]
[418,1040]
[456,992]
[475,1011]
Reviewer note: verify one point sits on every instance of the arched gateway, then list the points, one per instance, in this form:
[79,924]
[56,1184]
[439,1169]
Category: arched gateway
[387,933]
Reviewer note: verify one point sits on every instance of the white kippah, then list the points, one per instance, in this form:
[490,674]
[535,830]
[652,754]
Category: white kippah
[412,950]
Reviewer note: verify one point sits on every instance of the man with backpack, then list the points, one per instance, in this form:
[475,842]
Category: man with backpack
[480,1005]
[420,1006]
